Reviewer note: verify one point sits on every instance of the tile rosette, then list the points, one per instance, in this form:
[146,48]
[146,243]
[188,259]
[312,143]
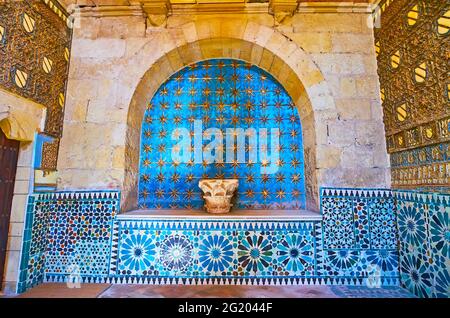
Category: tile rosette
[423,223]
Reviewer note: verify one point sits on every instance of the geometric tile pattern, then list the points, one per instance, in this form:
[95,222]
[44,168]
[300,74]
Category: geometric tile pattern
[82,230]
[71,232]
[383,231]
[424,234]
[205,250]
[359,233]
[249,252]
[338,222]
[32,263]
[235,252]
[362,219]
[223,94]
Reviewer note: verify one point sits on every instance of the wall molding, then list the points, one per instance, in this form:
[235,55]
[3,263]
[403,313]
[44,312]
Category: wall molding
[105,253]
[229,8]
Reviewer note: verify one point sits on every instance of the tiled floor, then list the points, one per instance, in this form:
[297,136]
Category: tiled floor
[62,291]
[183,291]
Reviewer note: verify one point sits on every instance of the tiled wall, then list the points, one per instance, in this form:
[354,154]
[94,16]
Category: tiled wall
[424,235]
[358,231]
[67,229]
[32,263]
[235,252]
[359,228]
[215,252]
[67,232]
[210,92]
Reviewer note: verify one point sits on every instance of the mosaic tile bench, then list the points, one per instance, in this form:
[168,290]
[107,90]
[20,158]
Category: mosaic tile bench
[81,235]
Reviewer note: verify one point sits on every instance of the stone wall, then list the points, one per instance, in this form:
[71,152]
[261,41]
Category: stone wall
[326,62]
[20,119]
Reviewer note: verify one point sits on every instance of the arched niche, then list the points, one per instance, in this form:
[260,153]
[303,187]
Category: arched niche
[205,49]
[221,119]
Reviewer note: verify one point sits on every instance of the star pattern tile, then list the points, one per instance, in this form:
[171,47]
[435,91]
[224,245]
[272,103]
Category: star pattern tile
[223,93]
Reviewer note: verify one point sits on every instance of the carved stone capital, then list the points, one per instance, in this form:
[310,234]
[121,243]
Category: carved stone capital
[156,11]
[280,9]
[218,194]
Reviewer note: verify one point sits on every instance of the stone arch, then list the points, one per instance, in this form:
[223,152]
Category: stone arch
[253,43]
